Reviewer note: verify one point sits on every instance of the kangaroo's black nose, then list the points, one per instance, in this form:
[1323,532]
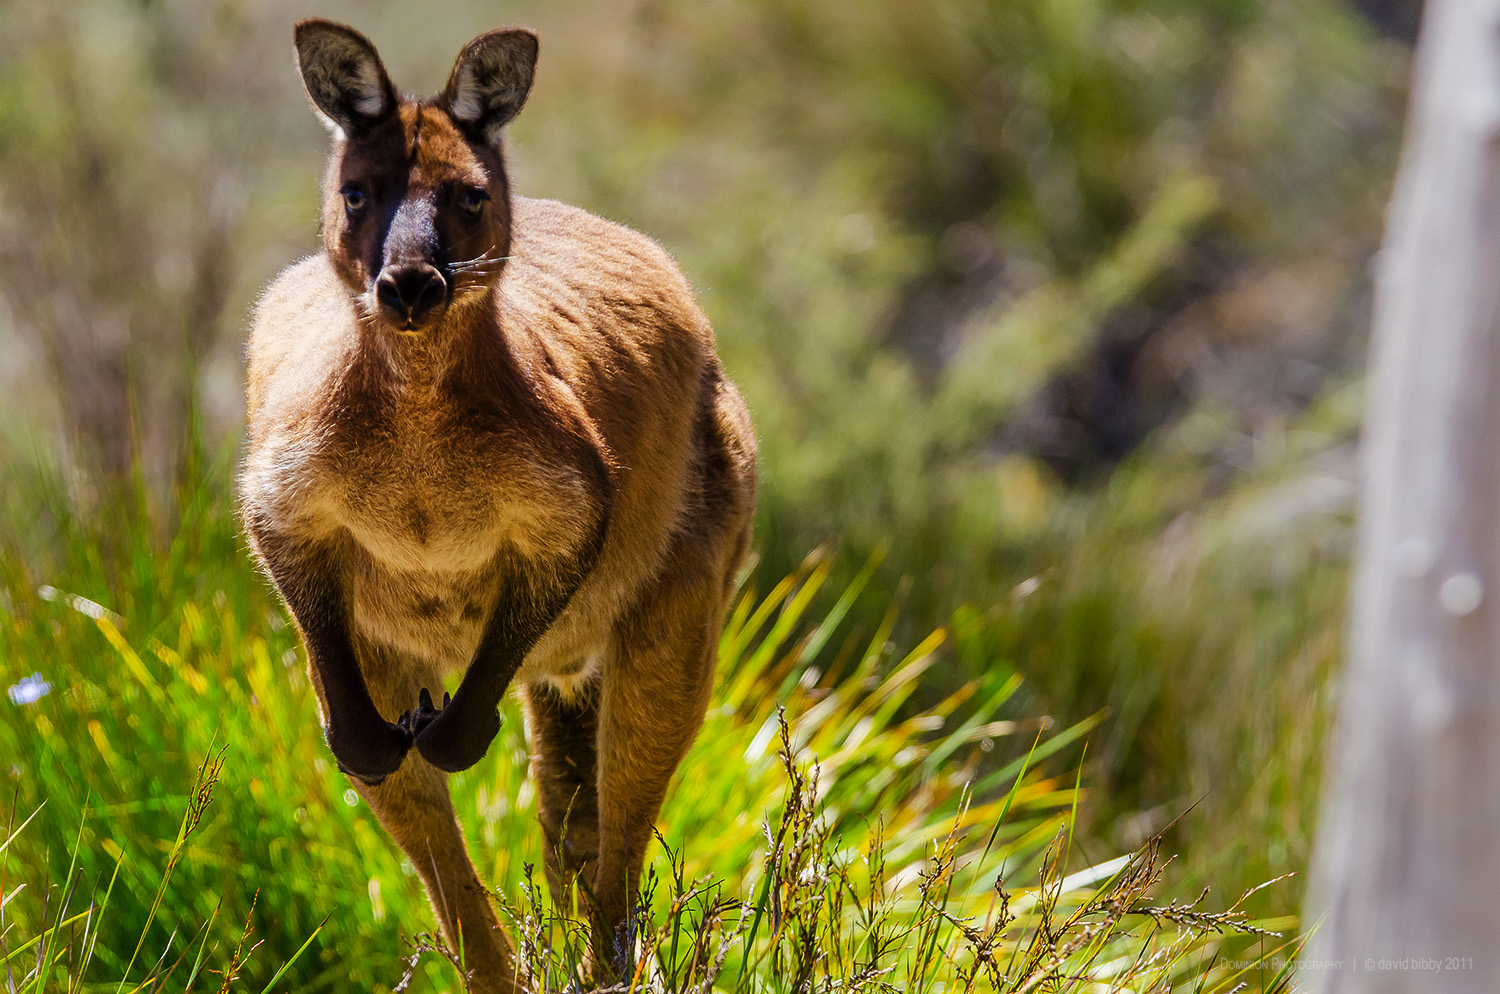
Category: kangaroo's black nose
[409,293]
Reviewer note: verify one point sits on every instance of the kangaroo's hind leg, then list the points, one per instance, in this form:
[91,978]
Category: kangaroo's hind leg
[564,728]
[655,692]
[414,807]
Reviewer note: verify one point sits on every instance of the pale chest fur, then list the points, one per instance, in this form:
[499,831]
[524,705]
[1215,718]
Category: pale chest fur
[429,522]
[424,530]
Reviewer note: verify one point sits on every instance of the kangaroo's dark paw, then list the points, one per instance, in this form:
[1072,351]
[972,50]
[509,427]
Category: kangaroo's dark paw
[451,738]
[371,753]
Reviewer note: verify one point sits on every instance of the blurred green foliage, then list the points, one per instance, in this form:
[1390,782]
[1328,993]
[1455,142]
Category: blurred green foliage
[906,220]
[1059,304]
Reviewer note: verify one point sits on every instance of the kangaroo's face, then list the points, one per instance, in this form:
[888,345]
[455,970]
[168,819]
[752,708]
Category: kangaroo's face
[416,207]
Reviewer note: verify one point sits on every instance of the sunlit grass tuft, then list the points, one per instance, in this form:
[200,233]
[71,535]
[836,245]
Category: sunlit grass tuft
[827,913]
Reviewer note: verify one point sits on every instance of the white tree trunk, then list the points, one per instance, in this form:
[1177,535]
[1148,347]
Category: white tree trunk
[1407,863]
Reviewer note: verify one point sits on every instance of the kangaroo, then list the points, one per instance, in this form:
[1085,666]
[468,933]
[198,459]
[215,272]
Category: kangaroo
[490,442]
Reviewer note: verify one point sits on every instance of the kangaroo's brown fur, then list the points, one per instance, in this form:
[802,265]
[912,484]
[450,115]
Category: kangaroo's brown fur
[491,445]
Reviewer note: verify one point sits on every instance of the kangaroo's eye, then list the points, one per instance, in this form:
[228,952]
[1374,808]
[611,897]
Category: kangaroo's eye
[472,202]
[354,198]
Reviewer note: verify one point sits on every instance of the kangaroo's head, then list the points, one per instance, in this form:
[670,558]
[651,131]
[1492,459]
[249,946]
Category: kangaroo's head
[416,207]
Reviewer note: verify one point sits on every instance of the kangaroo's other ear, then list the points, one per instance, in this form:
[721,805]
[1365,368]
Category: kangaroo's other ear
[490,82]
[343,75]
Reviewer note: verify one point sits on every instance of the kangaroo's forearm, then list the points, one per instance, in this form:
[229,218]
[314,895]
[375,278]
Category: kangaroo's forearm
[363,742]
[521,617]
[458,736]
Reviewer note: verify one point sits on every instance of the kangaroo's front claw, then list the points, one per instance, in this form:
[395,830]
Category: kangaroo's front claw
[425,714]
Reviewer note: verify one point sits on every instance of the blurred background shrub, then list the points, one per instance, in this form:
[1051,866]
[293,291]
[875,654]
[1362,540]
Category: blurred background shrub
[1058,306]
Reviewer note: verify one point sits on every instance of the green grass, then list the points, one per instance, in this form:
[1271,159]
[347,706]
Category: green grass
[174,811]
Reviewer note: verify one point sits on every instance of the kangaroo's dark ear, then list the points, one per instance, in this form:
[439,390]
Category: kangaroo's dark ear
[490,82]
[344,77]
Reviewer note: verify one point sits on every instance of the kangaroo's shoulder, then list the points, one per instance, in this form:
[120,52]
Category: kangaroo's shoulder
[593,284]
[303,324]
[306,293]
[548,226]
[555,243]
